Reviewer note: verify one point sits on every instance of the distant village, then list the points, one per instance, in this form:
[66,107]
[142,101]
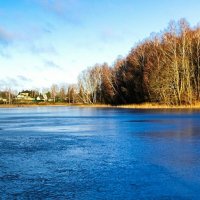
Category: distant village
[33,96]
[24,97]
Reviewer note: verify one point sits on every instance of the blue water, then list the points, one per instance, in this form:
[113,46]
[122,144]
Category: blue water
[88,154]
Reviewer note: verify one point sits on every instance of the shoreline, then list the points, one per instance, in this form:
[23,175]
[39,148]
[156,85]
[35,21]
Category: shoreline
[128,106]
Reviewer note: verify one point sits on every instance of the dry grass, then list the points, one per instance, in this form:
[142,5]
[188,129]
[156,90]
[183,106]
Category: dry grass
[128,106]
[143,106]
[95,105]
[160,106]
[32,105]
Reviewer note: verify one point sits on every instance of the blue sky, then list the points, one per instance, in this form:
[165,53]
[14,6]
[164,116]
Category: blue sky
[51,41]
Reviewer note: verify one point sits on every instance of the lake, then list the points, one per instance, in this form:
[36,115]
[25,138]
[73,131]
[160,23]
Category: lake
[96,153]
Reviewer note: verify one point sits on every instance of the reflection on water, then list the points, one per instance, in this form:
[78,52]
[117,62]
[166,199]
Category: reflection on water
[88,153]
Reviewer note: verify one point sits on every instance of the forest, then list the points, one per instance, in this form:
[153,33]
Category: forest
[164,68]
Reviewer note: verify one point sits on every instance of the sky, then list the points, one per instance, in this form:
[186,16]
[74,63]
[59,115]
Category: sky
[45,42]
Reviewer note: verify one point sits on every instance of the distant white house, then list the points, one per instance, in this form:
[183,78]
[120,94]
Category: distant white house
[24,96]
[50,99]
[45,97]
[3,100]
[42,97]
[38,98]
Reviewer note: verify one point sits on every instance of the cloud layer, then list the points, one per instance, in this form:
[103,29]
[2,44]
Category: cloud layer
[6,37]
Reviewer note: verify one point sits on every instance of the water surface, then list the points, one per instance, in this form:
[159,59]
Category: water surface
[88,154]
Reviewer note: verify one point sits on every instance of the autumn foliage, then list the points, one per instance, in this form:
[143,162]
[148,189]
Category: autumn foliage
[164,68]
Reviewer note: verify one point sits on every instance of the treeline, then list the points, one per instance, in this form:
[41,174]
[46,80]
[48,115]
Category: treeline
[164,68]
[55,94]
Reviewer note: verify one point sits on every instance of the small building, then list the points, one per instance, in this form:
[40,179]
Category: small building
[51,100]
[3,100]
[45,98]
[38,98]
[24,96]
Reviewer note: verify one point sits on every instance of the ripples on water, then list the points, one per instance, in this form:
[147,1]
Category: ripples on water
[88,153]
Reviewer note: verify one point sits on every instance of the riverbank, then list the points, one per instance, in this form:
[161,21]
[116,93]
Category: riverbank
[33,105]
[56,105]
[145,106]
[128,106]
[159,106]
